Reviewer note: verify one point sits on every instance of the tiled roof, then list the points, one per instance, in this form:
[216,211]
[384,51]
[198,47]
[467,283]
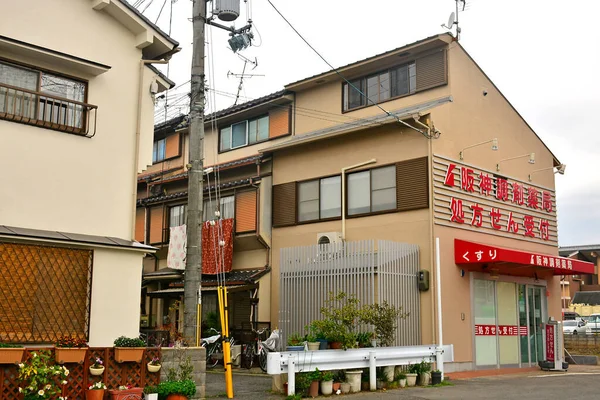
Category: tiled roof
[250,275]
[178,195]
[591,298]
[163,76]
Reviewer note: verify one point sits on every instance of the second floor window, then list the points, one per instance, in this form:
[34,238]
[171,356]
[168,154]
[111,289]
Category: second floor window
[320,199]
[226,206]
[244,133]
[177,215]
[372,191]
[159,150]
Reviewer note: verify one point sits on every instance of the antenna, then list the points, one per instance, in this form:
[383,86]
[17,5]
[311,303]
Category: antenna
[453,18]
[243,75]
[451,22]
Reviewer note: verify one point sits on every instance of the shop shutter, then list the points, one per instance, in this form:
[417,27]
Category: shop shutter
[245,212]
[431,70]
[156,225]
[140,224]
[173,146]
[412,184]
[279,121]
[284,204]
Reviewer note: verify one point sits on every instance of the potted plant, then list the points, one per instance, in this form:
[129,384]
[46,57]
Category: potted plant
[303,382]
[176,390]
[436,377]
[11,353]
[126,392]
[401,378]
[338,377]
[95,391]
[38,379]
[151,393]
[69,349]
[129,349]
[342,312]
[327,383]
[295,342]
[154,365]
[411,376]
[364,339]
[97,367]
[381,377]
[424,373]
[314,378]
[311,339]
[353,377]
[365,379]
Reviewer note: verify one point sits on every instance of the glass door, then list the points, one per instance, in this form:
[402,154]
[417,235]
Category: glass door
[536,315]
[486,343]
[508,343]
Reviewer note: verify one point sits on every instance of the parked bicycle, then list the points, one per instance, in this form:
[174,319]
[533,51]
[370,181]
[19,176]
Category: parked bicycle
[214,347]
[260,349]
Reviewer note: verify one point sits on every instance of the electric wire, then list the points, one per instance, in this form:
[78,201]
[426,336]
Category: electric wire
[160,12]
[147,5]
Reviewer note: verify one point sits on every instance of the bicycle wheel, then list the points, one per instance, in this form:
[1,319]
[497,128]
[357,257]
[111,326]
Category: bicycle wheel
[248,356]
[211,355]
[262,360]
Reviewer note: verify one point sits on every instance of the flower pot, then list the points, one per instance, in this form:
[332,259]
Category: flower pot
[326,387]
[126,394]
[94,394]
[69,355]
[177,397]
[389,372]
[436,377]
[96,371]
[424,378]
[314,346]
[151,396]
[295,348]
[153,368]
[365,386]
[381,385]
[411,379]
[402,383]
[354,380]
[345,386]
[336,386]
[323,343]
[124,354]
[313,389]
[11,355]
[336,345]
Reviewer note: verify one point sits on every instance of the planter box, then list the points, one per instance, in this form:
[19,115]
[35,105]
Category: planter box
[94,394]
[128,394]
[11,355]
[124,354]
[70,355]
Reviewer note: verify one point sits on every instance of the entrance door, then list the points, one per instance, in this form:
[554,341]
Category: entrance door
[536,318]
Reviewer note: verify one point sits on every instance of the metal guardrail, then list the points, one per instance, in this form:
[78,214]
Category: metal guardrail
[291,362]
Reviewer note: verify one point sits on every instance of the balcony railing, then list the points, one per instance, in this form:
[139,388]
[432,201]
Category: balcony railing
[40,109]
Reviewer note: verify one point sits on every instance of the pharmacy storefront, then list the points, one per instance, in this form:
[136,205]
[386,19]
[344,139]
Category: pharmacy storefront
[496,222]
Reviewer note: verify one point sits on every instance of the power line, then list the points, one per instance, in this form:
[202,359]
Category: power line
[344,78]
[160,12]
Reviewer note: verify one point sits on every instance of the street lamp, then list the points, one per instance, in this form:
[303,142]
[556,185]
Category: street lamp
[530,155]
[493,141]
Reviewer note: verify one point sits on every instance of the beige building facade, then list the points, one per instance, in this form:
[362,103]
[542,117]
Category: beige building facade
[75,98]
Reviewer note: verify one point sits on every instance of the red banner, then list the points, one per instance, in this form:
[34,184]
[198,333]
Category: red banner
[502,330]
[550,342]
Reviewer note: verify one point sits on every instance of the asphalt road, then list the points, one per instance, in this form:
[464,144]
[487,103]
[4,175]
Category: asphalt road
[581,382]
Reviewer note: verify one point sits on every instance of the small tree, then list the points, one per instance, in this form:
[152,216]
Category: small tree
[342,313]
[384,319]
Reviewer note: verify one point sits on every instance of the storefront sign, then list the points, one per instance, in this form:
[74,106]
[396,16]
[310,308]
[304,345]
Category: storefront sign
[475,199]
[501,330]
[550,342]
[466,252]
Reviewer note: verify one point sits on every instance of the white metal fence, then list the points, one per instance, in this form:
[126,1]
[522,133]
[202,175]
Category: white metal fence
[372,273]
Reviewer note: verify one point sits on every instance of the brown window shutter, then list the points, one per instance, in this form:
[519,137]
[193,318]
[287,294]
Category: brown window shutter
[412,184]
[140,224]
[156,224]
[284,204]
[279,122]
[173,146]
[245,212]
[431,70]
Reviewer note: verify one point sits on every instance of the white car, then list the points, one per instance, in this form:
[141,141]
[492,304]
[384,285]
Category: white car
[575,327]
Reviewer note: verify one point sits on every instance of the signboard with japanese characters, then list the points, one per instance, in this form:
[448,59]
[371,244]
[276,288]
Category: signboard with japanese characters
[550,342]
[501,330]
[475,199]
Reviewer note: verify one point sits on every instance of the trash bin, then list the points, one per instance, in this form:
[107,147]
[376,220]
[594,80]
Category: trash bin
[236,355]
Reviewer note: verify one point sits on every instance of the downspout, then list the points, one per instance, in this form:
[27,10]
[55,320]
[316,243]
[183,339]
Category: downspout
[371,161]
[138,128]
[433,242]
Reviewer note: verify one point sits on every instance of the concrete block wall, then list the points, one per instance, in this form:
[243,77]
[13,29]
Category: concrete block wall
[172,357]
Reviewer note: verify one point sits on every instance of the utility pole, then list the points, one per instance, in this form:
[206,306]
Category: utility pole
[193,265]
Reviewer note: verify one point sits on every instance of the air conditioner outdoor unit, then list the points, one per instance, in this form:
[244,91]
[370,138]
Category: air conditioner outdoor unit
[329,237]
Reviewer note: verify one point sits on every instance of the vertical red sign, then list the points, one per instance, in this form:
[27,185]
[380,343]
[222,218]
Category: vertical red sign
[550,342]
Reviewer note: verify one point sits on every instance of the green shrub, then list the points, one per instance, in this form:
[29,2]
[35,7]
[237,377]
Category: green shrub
[123,341]
[295,340]
[186,388]
[10,346]
[384,319]
[326,376]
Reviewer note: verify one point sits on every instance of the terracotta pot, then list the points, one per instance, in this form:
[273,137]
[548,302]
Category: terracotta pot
[11,355]
[336,386]
[94,394]
[69,355]
[336,345]
[96,371]
[126,394]
[124,354]
[177,397]
[313,390]
[153,368]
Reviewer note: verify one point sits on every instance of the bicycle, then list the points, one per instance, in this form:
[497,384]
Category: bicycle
[261,349]
[214,348]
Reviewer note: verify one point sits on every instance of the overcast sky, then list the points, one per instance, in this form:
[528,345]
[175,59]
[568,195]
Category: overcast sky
[544,55]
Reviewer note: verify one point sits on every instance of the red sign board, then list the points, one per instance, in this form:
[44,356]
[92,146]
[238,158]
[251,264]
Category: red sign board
[550,342]
[475,253]
[501,330]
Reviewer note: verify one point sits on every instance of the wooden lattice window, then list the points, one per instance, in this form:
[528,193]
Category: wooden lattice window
[45,293]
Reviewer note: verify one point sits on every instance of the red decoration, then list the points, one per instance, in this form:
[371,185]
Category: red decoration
[517,192]
[485,184]
[212,263]
[477,218]
[449,178]
[467,180]
[512,225]
[501,189]
[503,330]
[544,225]
[532,198]
[528,224]
[458,215]
[547,201]
[495,215]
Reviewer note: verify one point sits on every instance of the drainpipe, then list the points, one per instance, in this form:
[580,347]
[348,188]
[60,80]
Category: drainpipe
[138,128]
[433,248]
[344,192]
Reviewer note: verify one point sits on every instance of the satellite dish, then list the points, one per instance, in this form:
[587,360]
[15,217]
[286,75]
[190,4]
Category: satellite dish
[450,21]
